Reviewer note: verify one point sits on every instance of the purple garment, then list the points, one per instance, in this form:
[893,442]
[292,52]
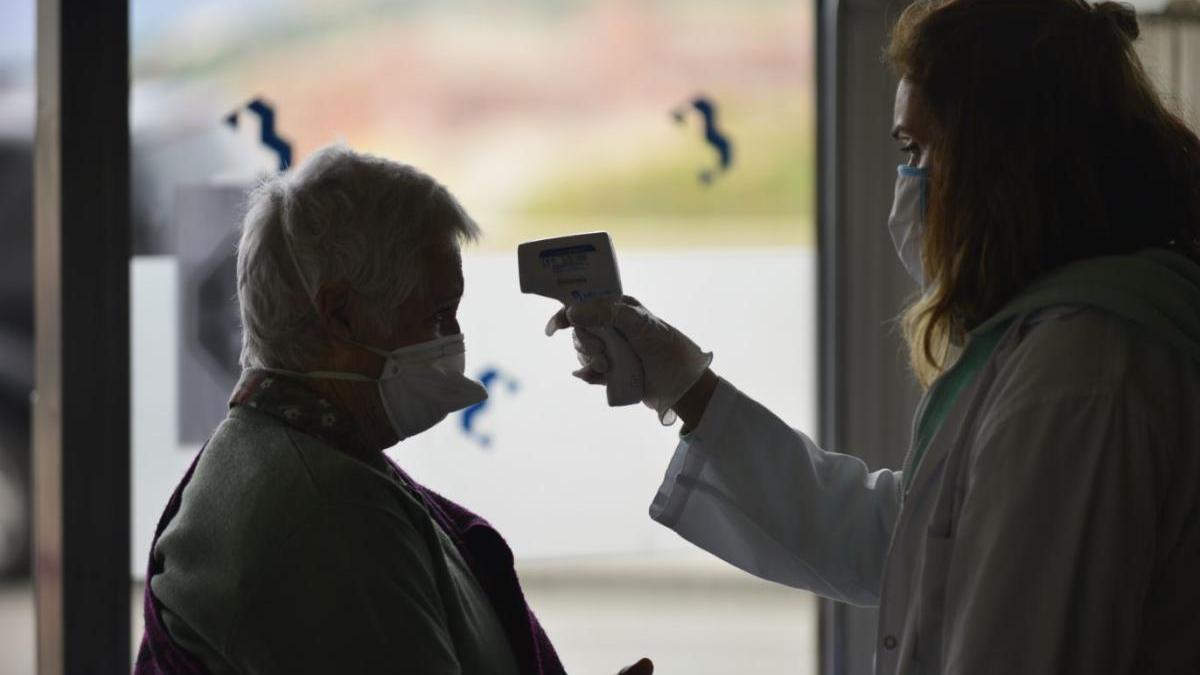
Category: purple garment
[491,561]
[484,550]
[158,654]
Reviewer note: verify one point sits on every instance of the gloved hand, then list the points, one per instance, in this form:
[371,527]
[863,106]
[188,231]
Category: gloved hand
[671,362]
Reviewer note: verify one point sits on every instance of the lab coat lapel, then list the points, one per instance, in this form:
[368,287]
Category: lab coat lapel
[930,493]
[901,592]
[958,389]
[943,439]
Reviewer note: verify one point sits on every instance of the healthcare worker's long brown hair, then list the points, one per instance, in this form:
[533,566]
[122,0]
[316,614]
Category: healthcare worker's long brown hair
[1049,145]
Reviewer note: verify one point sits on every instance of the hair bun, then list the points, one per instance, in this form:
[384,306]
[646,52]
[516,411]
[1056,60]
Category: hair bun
[1120,15]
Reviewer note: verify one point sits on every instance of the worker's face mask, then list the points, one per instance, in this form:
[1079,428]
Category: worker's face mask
[419,385]
[907,220]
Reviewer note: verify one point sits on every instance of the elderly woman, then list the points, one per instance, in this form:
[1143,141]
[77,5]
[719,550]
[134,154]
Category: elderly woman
[293,544]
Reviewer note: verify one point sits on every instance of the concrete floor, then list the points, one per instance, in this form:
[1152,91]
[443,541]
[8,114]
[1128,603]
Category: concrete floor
[688,613]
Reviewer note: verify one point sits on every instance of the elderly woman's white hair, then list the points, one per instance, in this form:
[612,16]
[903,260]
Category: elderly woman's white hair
[341,216]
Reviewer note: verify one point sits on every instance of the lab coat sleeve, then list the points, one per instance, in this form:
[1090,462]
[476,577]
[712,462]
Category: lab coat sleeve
[1055,544]
[762,496]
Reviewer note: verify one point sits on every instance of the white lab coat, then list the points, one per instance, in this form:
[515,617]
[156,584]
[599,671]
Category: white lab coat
[1053,525]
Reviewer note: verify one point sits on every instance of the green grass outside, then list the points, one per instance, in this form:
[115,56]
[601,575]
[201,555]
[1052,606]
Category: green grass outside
[766,197]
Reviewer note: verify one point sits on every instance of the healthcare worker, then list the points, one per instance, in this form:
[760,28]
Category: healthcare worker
[1047,516]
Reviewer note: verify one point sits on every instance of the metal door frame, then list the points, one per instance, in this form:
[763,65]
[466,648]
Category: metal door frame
[866,393]
[81,416]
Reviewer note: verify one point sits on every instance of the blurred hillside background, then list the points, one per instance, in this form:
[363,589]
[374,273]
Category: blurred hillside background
[542,116]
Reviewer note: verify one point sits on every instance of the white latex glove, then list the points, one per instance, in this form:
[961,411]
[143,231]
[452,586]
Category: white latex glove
[671,362]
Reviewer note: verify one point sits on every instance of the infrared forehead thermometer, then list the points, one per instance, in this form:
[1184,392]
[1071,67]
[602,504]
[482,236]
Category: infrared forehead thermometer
[576,268]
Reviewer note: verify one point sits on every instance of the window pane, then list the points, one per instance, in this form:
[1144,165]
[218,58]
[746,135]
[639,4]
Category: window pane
[544,118]
[17,89]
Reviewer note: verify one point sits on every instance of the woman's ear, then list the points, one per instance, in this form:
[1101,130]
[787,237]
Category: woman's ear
[333,309]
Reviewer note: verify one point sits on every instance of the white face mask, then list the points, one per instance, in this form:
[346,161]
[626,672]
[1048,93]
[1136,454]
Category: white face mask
[420,384]
[907,220]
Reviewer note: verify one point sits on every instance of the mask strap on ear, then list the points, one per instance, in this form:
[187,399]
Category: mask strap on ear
[291,252]
[310,292]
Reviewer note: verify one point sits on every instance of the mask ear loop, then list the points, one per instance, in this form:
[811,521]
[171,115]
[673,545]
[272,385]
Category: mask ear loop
[312,300]
[284,218]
